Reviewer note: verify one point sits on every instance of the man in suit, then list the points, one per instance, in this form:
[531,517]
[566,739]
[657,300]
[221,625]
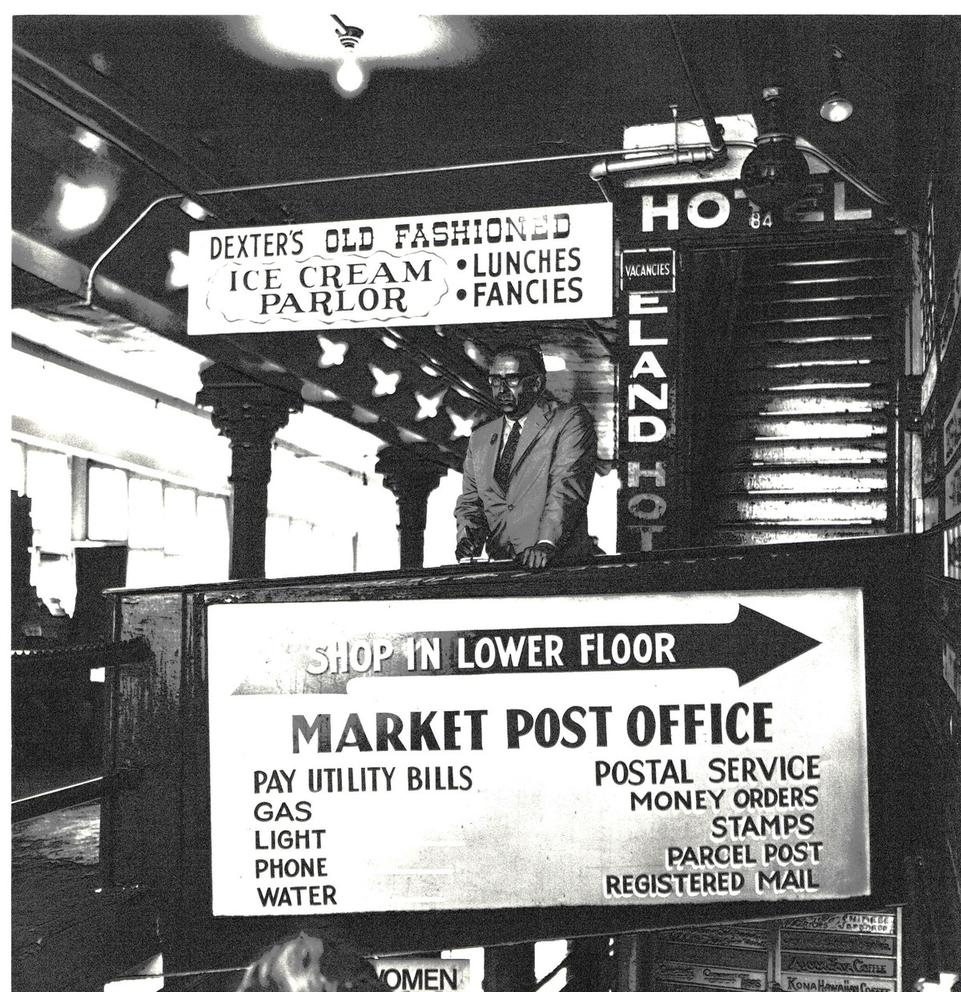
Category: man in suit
[528,474]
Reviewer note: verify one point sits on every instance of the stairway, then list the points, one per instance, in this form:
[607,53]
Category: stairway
[817,349]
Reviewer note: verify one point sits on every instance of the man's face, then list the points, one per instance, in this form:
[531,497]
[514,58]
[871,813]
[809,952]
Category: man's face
[514,386]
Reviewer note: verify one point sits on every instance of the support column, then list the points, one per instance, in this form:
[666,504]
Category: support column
[411,474]
[509,968]
[591,966]
[249,414]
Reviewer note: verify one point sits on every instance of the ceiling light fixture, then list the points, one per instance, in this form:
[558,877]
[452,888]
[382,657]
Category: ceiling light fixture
[178,275]
[79,207]
[89,140]
[463,426]
[427,406]
[350,77]
[836,107]
[775,173]
[193,209]
[331,352]
[385,383]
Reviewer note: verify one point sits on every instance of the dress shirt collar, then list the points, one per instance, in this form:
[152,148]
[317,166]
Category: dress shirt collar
[508,427]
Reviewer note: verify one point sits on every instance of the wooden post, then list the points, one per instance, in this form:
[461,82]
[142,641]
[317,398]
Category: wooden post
[249,414]
[590,967]
[411,474]
[509,968]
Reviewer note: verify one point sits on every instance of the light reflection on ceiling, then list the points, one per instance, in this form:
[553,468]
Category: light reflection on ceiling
[389,39]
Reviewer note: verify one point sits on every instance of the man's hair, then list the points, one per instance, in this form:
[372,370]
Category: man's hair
[529,356]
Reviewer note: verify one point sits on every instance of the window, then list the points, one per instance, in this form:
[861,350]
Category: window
[175,533]
[213,538]
[146,508]
[179,520]
[18,469]
[51,503]
[927,265]
[107,504]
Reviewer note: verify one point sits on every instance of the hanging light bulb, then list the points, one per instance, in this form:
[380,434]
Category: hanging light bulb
[350,77]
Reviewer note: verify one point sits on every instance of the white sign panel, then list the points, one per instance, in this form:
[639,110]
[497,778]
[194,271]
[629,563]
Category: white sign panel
[424,974]
[551,751]
[547,263]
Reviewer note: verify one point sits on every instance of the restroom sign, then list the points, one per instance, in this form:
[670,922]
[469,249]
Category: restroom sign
[648,270]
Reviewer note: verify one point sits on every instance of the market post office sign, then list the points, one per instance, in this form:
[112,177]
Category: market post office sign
[468,754]
[538,264]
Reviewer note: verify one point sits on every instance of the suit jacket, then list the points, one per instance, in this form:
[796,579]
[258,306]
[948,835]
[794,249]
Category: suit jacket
[550,484]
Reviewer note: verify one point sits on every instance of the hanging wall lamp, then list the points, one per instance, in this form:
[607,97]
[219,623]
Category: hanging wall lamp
[836,107]
[350,77]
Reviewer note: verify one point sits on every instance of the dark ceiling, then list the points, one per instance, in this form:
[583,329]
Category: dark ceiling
[192,103]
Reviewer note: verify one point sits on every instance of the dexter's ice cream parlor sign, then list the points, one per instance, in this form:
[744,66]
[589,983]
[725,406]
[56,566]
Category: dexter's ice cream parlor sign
[537,264]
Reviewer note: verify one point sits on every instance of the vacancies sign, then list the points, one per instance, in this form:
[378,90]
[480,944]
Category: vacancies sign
[540,264]
[655,749]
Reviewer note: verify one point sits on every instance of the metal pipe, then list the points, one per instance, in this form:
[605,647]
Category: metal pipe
[689,155]
[710,123]
[844,174]
[354,177]
[88,295]
[92,125]
[87,791]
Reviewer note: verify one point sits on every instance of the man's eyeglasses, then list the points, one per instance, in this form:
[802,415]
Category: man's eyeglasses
[513,380]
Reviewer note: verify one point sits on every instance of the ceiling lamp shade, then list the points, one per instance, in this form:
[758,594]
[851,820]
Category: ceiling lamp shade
[836,107]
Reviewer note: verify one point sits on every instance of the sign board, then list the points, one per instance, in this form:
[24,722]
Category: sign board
[827,952]
[648,359]
[648,270]
[423,974]
[952,430]
[549,263]
[840,952]
[547,751]
[715,211]
[952,491]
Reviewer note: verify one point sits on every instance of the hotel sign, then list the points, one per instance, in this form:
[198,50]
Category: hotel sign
[657,749]
[549,263]
[723,210]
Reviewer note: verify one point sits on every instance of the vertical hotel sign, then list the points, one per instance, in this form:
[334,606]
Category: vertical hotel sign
[649,282]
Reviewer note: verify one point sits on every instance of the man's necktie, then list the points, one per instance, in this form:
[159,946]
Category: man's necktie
[502,471]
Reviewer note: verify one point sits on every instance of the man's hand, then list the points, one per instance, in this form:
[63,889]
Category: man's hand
[538,556]
[466,548]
